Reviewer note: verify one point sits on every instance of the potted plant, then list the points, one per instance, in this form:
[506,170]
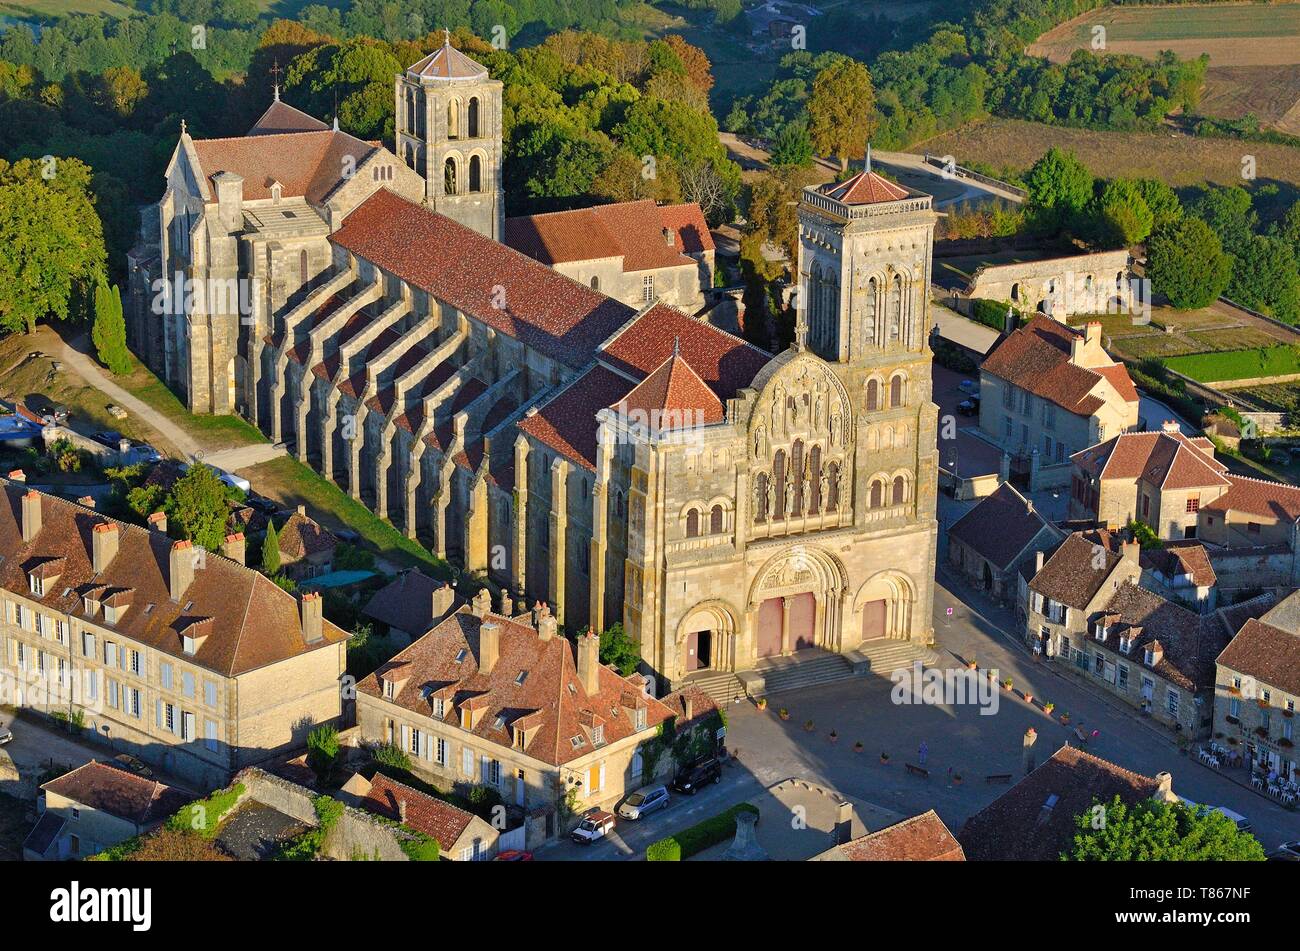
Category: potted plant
[1048,707]
[1065,717]
[1007,685]
[783,713]
[884,759]
[833,736]
[857,747]
[1029,697]
[956,779]
[971,664]
[809,726]
[762,703]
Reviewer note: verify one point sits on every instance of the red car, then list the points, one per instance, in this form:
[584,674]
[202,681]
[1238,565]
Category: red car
[514,855]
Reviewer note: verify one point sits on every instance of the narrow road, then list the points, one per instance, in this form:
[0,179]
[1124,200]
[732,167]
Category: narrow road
[76,357]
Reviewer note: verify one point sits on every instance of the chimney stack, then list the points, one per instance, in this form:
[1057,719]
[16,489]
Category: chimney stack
[103,545]
[313,616]
[1092,332]
[1169,426]
[489,646]
[443,600]
[180,569]
[843,831]
[18,475]
[1165,789]
[401,810]
[669,238]
[87,501]
[1130,551]
[589,662]
[505,603]
[546,627]
[31,514]
[302,510]
[1039,558]
[481,605]
[688,708]
[158,522]
[233,547]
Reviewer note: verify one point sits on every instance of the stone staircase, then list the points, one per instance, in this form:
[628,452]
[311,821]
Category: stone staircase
[806,668]
[721,685]
[884,655]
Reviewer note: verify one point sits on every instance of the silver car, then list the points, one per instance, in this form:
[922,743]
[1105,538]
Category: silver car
[644,801]
[6,734]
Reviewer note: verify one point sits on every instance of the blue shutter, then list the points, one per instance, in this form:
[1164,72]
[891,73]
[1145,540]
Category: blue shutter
[158,712]
[166,672]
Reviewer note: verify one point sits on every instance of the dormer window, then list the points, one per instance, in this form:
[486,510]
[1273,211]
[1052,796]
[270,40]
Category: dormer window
[390,690]
[439,708]
[189,645]
[1149,657]
[639,718]
[598,736]
[1125,645]
[36,584]
[578,741]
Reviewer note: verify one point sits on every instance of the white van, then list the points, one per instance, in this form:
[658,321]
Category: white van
[1237,819]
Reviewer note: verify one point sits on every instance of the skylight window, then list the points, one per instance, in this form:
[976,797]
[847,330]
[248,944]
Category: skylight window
[522,676]
[578,742]
[460,655]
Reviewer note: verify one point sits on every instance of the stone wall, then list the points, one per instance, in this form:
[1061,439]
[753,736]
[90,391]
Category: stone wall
[357,835]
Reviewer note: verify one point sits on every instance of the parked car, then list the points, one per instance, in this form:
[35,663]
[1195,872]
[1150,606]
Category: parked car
[132,765]
[968,386]
[262,504]
[108,438]
[969,407]
[514,855]
[595,824]
[1286,852]
[644,801]
[706,770]
[6,735]
[143,452]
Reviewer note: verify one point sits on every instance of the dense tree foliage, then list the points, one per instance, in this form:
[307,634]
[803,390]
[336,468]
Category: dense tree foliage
[1186,263]
[1154,831]
[197,507]
[108,332]
[841,110]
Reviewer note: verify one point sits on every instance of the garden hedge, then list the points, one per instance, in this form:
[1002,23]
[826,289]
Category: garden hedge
[698,837]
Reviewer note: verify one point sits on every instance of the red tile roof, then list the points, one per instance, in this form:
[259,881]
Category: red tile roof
[561,713]
[1037,358]
[302,537]
[922,838]
[671,397]
[447,62]
[1000,526]
[1267,653]
[567,422]
[491,282]
[280,118]
[1168,460]
[864,188]
[306,164]
[1258,497]
[119,793]
[438,820]
[633,230]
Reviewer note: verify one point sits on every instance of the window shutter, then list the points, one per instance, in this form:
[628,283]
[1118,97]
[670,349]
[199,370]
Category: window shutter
[424,745]
[467,761]
[166,672]
[602,777]
[406,738]
[484,775]
[158,712]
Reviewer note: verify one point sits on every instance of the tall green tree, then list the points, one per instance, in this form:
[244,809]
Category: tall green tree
[52,238]
[792,147]
[197,507]
[1121,216]
[1186,263]
[1154,831]
[270,550]
[842,110]
[1060,186]
[1264,277]
[109,330]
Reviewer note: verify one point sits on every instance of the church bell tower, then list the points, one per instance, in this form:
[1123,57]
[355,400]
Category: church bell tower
[449,130]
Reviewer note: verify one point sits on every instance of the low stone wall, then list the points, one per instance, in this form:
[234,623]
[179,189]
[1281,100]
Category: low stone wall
[358,833]
[103,455]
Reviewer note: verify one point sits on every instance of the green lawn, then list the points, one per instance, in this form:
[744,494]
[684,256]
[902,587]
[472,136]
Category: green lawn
[1237,364]
[214,432]
[288,481]
[44,9]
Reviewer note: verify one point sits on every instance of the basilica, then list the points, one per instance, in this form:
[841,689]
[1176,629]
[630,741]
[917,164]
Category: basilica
[538,400]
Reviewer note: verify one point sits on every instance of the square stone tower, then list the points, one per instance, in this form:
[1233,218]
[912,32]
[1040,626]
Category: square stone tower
[449,130]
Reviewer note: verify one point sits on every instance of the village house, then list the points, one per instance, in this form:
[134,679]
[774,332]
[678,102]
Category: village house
[306,547]
[1257,687]
[410,604]
[461,836]
[1066,590]
[991,542]
[922,838]
[186,659]
[1034,820]
[1048,390]
[483,699]
[634,251]
[95,807]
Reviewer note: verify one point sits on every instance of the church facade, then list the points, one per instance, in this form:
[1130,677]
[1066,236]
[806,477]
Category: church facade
[620,462]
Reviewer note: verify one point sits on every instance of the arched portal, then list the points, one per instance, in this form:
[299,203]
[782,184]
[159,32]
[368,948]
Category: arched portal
[883,607]
[706,638]
[795,602]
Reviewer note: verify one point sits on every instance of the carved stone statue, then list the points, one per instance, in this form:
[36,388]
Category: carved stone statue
[789,498]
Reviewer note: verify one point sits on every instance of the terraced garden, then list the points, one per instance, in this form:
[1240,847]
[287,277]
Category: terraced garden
[1230,365]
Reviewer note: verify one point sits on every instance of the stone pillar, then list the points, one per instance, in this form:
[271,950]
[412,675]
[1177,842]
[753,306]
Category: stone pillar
[413,479]
[785,626]
[328,422]
[355,445]
[277,394]
[559,527]
[446,472]
[302,410]
[599,526]
[476,526]
[520,570]
[820,629]
[381,475]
